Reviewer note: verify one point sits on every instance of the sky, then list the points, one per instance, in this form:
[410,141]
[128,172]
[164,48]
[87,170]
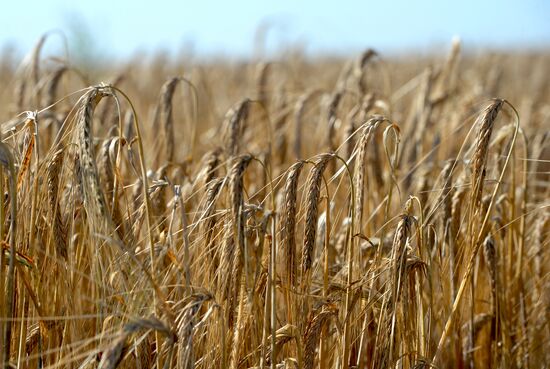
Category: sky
[205,27]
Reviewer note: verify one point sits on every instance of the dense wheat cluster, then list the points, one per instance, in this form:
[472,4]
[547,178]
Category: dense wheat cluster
[294,213]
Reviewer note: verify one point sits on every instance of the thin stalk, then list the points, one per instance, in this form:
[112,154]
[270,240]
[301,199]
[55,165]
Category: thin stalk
[350,241]
[7,161]
[476,245]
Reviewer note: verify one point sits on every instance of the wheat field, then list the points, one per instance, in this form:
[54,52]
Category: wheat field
[295,213]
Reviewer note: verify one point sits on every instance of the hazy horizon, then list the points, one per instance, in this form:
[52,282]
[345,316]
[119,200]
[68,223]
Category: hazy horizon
[208,28]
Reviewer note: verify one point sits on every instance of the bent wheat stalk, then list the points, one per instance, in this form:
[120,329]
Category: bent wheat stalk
[489,114]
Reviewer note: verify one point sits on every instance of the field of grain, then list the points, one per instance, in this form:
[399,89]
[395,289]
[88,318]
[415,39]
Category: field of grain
[295,213]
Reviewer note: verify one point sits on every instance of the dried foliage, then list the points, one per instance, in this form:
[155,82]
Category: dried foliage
[376,213]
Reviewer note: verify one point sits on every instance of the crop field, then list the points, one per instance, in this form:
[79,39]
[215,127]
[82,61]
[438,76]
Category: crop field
[370,212]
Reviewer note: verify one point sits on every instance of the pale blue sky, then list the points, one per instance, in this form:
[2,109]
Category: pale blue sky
[119,28]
